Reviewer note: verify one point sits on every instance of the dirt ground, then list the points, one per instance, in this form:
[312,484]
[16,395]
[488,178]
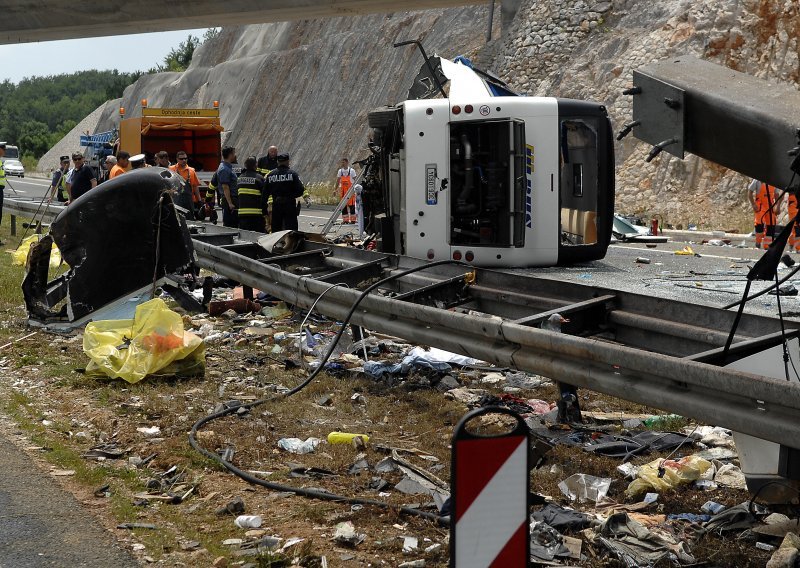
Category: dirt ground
[64,413]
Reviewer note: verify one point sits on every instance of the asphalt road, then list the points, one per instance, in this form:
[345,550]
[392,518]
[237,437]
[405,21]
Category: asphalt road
[42,525]
[29,188]
[311,219]
[716,277]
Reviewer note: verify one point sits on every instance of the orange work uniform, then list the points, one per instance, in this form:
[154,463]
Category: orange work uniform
[345,176]
[117,170]
[764,217]
[188,173]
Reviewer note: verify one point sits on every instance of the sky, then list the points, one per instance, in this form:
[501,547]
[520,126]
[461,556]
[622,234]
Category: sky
[137,52]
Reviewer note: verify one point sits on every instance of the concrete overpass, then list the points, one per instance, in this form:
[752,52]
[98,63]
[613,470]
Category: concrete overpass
[41,20]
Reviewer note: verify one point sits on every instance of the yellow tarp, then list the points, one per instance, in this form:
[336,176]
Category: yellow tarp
[20,256]
[154,341]
[675,473]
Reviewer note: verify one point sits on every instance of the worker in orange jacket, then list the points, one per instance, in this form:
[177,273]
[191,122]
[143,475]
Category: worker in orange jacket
[345,178]
[765,205]
[792,206]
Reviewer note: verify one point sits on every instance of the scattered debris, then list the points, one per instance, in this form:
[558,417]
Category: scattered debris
[585,487]
[730,475]
[410,544]
[149,526]
[248,521]
[346,534]
[346,438]
[149,431]
[298,446]
[635,545]
[233,507]
[562,519]
[662,474]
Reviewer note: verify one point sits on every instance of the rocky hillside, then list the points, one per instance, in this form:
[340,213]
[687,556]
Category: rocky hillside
[307,86]
[587,49]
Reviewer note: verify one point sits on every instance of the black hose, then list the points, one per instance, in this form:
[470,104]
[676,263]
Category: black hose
[312,493]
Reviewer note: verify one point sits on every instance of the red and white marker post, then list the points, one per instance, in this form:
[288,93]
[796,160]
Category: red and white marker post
[489,524]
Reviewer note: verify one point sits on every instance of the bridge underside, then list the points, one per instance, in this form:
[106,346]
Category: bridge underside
[42,20]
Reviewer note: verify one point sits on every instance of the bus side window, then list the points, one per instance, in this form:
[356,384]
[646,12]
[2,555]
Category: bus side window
[579,184]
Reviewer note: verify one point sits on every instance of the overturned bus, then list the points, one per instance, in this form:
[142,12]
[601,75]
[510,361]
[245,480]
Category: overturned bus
[487,176]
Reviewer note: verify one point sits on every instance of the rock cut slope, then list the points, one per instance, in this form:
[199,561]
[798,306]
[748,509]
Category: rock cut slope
[588,50]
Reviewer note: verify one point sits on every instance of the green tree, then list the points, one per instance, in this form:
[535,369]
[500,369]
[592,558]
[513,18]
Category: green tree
[35,138]
[38,111]
[179,58]
[211,34]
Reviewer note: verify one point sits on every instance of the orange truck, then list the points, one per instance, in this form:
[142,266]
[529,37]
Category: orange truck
[196,131]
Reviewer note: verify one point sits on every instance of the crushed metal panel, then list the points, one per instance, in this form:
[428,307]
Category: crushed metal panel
[736,120]
[109,237]
[424,85]
[282,242]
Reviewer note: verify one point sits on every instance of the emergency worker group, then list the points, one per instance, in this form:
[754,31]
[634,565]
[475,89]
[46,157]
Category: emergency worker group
[263,197]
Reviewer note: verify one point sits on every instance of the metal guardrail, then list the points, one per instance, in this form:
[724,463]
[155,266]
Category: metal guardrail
[28,209]
[756,405]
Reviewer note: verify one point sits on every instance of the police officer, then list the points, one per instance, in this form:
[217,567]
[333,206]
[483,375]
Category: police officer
[229,195]
[284,185]
[252,198]
[58,186]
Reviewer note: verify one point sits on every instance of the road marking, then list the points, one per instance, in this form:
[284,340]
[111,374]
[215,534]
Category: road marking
[672,253]
[314,217]
[32,181]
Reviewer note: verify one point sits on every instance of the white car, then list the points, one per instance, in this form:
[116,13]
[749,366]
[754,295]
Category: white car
[14,168]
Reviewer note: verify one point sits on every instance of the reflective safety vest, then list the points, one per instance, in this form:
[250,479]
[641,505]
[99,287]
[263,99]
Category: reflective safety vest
[251,194]
[345,182]
[61,188]
[2,174]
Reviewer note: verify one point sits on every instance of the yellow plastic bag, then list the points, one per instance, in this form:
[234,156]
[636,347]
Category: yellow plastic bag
[676,472]
[20,256]
[154,341]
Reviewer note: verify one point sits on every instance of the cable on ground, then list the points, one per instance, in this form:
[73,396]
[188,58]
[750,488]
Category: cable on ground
[313,493]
